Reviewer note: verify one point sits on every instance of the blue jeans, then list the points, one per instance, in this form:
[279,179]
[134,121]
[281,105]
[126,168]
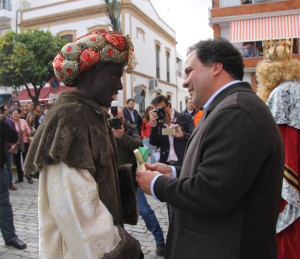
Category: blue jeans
[152,150]
[9,157]
[6,214]
[149,217]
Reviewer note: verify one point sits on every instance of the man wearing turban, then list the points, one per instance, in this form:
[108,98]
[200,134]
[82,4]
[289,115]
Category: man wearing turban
[75,156]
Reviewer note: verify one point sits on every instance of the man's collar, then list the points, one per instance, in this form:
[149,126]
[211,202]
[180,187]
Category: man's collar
[217,92]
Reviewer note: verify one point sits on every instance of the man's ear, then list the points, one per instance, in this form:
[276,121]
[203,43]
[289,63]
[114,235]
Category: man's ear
[217,68]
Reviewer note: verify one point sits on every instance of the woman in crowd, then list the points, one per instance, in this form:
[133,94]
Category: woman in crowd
[22,144]
[31,123]
[145,133]
[24,113]
[37,110]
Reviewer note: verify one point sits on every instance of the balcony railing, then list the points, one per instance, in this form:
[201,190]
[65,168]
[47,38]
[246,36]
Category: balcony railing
[256,50]
[5,4]
[231,3]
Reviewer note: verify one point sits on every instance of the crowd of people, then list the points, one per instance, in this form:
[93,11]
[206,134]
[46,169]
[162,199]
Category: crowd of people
[220,166]
[26,119]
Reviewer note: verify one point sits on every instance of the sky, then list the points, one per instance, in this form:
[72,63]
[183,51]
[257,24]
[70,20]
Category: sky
[188,18]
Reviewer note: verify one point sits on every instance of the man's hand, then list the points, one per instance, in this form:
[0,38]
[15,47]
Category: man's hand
[1,118]
[144,179]
[153,118]
[161,168]
[12,148]
[178,131]
[118,133]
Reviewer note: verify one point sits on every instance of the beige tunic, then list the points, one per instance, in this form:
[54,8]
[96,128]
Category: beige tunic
[73,221]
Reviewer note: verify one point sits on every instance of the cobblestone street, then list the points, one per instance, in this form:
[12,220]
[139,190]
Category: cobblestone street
[24,202]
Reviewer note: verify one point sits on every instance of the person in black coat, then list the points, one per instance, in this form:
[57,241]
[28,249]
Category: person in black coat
[228,194]
[9,134]
[132,115]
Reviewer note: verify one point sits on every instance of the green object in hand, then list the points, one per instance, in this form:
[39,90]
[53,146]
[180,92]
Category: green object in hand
[144,151]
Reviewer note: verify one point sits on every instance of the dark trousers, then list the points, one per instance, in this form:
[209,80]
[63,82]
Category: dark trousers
[169,206]
[17,160]
[9,156]
[6,215]
[149,217]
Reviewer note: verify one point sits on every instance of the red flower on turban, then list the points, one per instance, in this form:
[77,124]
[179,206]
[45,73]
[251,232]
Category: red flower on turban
[87,59]
[115,39]
[57,62]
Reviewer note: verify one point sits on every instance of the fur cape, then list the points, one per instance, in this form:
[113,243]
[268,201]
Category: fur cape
[76,132]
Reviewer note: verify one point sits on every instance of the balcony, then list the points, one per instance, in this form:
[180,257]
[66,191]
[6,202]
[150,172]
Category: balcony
[226,10]
[252,53]
[231,3]
[5,12]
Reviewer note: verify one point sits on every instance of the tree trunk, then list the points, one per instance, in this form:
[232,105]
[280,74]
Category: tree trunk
[35,101]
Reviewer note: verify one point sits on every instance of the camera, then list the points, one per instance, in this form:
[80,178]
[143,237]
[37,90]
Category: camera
[161,113]
[114,122]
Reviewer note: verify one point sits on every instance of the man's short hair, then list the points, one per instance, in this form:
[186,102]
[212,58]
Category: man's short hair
[160,98]
[220,50]
[129,100]
[190,98]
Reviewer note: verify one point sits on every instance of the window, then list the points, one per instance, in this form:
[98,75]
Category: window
[98,27]
[70,35]
[168,66]
[5,4]
[142,104]
[179,67]
[157,50]
[140,33]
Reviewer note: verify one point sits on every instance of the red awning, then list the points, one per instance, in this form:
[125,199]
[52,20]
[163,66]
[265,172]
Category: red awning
[24,97]
[44,94]
[279,27]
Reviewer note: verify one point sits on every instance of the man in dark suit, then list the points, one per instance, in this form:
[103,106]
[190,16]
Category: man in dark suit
[227,197]
[190,109]
[132,115]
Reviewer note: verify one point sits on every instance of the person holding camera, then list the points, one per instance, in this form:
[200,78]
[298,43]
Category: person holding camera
[128,139]
[74,154]
[163,118]
[162,134]
[9,134]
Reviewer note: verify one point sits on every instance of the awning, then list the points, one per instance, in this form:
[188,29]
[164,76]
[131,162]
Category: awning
[44,94]
[278,27]
[24,97]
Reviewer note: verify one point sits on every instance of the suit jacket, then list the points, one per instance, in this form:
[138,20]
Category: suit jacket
[162,141]
[137,118]
[228,196]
